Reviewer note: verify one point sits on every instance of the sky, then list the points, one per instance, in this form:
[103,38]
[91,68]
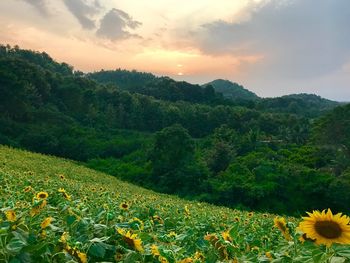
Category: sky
[271,47]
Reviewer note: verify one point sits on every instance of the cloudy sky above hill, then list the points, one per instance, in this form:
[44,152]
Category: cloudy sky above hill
[272,47]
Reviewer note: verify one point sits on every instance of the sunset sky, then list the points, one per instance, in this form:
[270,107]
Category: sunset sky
[272,47]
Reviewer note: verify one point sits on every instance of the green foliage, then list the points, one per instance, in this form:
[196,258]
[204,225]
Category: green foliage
[171,156]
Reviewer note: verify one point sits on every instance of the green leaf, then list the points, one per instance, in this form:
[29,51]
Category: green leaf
[132,257]
[70,219]
[145,237]
[16,244]
[97,250]
[337,260]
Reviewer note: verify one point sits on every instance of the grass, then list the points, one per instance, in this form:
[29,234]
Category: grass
[89,216]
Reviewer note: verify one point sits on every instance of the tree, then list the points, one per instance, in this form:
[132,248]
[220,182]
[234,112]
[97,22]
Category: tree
[171,155]
[220,157]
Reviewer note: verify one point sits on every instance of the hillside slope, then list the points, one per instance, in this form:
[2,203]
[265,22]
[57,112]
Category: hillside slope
[232,90]
[54,210]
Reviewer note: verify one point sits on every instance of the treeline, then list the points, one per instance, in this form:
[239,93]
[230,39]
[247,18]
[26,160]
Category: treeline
[217,92]
[189,144]
[163,88]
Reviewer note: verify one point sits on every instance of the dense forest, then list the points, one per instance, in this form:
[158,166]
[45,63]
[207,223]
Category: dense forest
[284,155]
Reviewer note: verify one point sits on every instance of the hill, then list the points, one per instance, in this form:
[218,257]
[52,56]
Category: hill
[309,105]
[53,210]
[232,90]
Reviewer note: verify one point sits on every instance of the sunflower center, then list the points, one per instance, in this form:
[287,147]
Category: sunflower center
[328,229]
[129,241]
[281,226]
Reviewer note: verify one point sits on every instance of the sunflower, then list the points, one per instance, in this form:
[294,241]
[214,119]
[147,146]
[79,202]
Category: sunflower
[38,206]
[124,206]
[268,255]
[187,211]
[326,228]
[154,250]
[27,189]
[226,236]
[157,219]
[82,256]
[304,238]
[172,234]
[10,215]
[64,193]
[186,260]
[162,259]
[42,195]
[47,221]
[139,224]
[131,239]
[281,224]
[199,256]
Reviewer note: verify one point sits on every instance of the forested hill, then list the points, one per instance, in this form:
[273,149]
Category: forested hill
[229,154]
[309,105]
[232,90]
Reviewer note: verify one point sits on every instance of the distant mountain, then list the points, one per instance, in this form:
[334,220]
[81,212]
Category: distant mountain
[232,90]
[309,105]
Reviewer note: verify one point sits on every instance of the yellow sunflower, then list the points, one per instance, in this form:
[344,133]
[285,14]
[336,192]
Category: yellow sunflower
[268,255]
[82,257]
[131,239]
[281,224]
[186,260]
[172,234]
[38,206]
[162,259]
[47,221]
[124,206]
[199,256]
[226,236]
[27,189]
[154,250]
[42,195]
[10,215]
[326,228]
[64,193]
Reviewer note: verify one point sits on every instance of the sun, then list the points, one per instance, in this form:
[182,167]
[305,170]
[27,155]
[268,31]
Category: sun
[326,228]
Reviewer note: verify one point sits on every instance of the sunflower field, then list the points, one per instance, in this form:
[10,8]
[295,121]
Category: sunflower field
[54,210]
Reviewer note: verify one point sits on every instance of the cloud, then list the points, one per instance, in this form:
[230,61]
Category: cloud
[84,11]
[40,5]
[115,25]
[298,39]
